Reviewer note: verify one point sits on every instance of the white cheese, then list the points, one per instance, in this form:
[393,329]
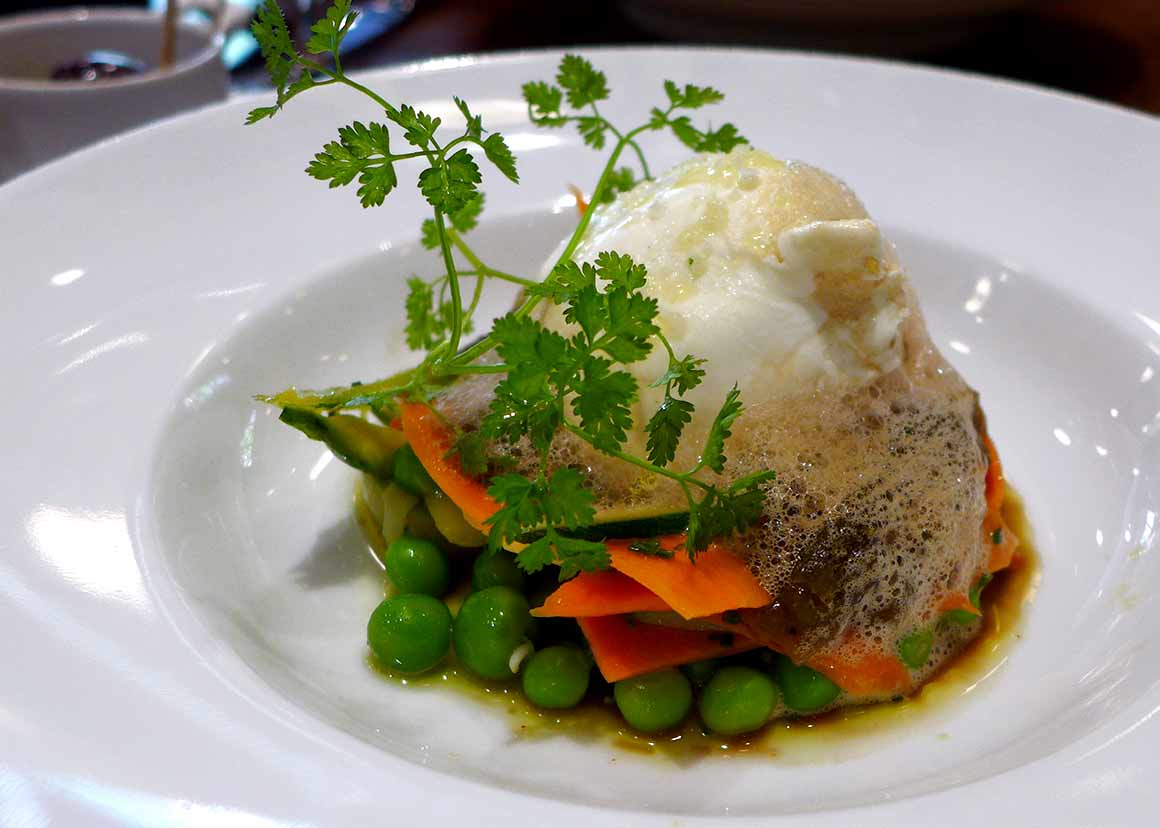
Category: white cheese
[771,271]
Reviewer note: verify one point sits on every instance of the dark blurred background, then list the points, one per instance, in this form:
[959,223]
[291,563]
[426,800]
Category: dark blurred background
[1107,49]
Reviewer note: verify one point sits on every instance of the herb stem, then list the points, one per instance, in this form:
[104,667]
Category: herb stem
[498,368]
[453,284]
[640,157]
[485,344]
[476,295]
[683,478]
[478,264]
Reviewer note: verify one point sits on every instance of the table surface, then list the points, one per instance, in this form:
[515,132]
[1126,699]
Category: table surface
[1105,49]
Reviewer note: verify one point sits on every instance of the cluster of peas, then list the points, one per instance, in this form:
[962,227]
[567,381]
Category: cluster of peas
[492,634]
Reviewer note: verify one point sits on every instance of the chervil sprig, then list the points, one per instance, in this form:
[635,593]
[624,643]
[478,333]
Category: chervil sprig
[583,87]
[449,181]
[548,383]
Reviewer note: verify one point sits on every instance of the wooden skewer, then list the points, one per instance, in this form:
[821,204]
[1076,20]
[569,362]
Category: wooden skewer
[169,35]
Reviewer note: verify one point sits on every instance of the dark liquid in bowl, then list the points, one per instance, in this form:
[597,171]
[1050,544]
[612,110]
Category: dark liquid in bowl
[99,66]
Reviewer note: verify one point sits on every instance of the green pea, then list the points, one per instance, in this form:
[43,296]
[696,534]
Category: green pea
[417,566]
[556,678]
[496,569]
[737,700]
[804,690]
[654,701]
[701,671]
[409,473]
[491,624]
[410,633]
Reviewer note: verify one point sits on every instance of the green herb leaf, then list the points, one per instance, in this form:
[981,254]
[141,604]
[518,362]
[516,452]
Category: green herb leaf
[664,430]
[722,139]
[363,152]
[565,281]
[753,480]
[630,327]
[451,185]
[561,500]
[537,554]
[519,508]
[525,342]
[686,133]
[474,127]
[576,555]
[375,181]
[684,374]
[581,82]
[525,401]
[471,449]
[567,502]
[329,30]
[260,113]
[720,513]
[713,455]
[429,234]
[269,29]
[419,127]
[620,270]
[497,152]
[691,97]
[620,180]
[463,220]
[427,325]
[544,102]
[602,402]
[592,130]
[304,81]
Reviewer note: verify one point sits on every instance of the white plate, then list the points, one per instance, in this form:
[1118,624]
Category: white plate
[182,592]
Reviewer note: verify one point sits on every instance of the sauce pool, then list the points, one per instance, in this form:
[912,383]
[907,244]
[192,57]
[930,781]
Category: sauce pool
[840,733]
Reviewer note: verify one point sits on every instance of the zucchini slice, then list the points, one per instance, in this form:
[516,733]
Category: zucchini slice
[621,524]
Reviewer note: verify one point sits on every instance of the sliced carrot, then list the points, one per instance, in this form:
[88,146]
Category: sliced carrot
[1003,552]
[431,440]
[624,649]
[717,581]
[599,593]
[957,601]
[862,673]
[581,201]
[996,486]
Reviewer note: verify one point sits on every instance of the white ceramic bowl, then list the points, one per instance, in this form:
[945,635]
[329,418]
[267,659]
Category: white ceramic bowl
[183,593]
[41,119]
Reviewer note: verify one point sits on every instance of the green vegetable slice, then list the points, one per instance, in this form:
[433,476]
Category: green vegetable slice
[365,446]
[914,649]
[616,523]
